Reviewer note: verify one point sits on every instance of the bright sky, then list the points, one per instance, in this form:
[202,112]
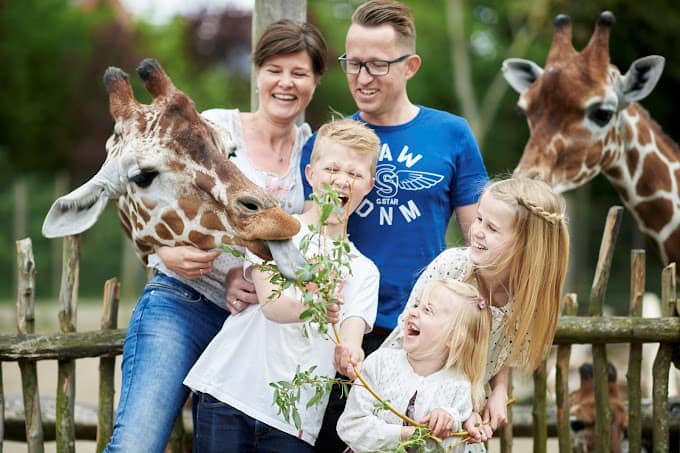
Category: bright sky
[160,11]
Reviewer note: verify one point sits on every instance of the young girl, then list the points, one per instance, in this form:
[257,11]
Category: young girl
[435,379]
[518,254]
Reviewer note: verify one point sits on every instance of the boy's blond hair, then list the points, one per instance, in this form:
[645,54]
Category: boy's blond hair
[467,337]
[388,12]
[537,263]
[350,133]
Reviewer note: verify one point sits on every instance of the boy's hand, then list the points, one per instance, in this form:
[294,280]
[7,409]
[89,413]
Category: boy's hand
[187,261]
[333,313]
[348,361]
[477,431]
[240,292]
[439,422]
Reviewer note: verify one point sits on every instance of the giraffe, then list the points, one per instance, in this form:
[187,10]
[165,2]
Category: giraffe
[168,169]
[584,119]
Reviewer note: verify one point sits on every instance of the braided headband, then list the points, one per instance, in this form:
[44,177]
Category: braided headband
[550,217]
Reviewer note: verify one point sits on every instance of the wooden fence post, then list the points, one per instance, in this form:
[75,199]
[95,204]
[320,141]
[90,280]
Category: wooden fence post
[661,367]
[570,308]
[637,291]
[506,436]
[25,326]
[107,365]
[66,379]
[539,410]
[600,375]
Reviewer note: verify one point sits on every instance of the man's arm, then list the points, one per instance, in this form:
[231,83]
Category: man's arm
[466,216]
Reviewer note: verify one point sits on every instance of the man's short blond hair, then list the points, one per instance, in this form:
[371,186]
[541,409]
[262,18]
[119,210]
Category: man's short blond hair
[350,133]
[388,12]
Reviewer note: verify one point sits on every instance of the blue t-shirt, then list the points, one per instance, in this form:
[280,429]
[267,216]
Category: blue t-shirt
[426,168]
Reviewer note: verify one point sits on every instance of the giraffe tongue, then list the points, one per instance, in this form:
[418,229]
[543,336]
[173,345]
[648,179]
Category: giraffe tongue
[289,259]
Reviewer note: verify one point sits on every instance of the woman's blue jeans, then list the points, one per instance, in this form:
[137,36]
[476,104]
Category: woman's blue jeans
[219,427]
[170,327]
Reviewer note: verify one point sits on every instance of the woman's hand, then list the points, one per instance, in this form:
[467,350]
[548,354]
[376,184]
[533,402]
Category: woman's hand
[187,261]
[240,292]
[477,431]
[439,422]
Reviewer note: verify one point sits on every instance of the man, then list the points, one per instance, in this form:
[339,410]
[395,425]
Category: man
[429,166]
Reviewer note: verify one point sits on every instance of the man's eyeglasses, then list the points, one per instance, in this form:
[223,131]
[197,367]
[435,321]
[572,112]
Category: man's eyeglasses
[373,67]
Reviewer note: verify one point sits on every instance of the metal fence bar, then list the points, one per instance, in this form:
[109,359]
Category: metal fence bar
[26,325]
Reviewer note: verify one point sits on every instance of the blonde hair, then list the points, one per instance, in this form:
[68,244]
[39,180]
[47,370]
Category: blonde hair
[537,264]
[388,12]
[350,133]
[467,336]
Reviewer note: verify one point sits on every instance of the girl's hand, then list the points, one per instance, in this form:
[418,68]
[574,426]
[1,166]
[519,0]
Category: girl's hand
[496,411]
[187,261]
[477,431]
[439,422]
[347,361]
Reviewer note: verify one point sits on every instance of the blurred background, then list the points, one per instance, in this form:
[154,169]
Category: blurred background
[54,118]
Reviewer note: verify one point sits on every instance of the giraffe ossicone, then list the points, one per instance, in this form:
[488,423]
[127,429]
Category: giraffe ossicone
[584,120]
[168,169]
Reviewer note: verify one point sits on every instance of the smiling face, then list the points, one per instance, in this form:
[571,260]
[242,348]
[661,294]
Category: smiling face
[492,232]
[344,169]
[285,85]
[427,324]
[379,98]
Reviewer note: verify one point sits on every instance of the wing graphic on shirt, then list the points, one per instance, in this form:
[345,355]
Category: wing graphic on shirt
[388,180]
[417,180]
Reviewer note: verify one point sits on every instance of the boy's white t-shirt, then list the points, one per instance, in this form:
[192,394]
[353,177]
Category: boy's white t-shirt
[250,351]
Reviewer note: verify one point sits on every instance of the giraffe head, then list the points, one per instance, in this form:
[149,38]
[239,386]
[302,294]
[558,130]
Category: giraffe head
[169,170]
[575,106]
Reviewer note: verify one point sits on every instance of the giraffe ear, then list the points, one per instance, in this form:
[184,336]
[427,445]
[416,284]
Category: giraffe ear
[520,73]
[79,210]
[641,77]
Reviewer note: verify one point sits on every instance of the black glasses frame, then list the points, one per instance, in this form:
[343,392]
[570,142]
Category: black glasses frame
[364,64]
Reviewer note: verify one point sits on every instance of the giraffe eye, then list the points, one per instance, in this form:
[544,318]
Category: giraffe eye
[143,179]
[600,116]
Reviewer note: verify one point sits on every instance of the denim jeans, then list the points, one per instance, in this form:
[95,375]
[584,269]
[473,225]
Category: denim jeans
[171,325]
[219,427]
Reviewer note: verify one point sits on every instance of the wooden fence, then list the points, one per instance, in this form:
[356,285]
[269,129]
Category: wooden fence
[26,348]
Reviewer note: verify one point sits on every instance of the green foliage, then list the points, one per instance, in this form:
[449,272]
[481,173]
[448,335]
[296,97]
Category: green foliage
[287,394]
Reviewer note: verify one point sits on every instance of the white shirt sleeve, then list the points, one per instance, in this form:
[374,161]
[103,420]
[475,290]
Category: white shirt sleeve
[359,426]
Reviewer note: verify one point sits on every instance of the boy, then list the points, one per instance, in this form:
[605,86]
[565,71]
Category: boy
[265,342]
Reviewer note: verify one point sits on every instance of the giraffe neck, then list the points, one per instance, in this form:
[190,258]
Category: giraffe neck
[645,171]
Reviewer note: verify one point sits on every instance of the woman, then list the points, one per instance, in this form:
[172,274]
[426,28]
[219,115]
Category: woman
[192,292]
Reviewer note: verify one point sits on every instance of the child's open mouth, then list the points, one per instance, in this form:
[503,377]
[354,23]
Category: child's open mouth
[344,199]
[412,330]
